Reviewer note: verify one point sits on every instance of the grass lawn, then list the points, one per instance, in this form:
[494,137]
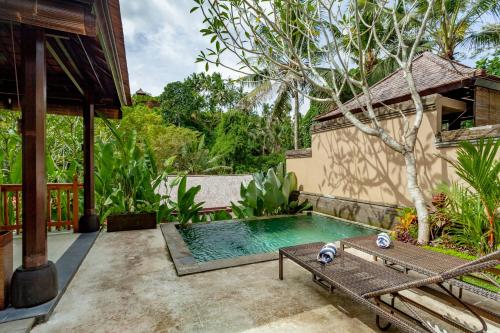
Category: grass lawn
[469,279]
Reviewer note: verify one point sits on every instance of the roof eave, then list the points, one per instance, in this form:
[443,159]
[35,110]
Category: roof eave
[434,90]
[108,26]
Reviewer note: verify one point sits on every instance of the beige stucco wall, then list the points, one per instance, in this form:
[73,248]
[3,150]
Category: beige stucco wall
[349,164]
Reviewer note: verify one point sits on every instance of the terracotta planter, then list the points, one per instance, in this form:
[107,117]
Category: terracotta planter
[5,267]
[131,221]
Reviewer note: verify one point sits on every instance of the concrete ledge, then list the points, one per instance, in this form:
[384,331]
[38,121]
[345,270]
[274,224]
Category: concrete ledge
[299,153]
[474,134]
[67,266]
[373,214]
[185,263]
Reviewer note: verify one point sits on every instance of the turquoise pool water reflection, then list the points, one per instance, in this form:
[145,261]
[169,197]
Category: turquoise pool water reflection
[222,240]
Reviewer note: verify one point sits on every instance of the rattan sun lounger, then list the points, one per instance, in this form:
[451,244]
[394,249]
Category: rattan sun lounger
[378,287]
[415,258]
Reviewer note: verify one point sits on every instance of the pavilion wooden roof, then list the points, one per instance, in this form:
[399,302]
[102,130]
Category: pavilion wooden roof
[432,74]
[85,50]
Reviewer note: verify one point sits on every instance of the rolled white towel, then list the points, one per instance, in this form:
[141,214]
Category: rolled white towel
[383,240]
[327,253]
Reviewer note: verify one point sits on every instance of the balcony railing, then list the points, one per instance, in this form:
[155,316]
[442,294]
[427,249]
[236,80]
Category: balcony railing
[62,206]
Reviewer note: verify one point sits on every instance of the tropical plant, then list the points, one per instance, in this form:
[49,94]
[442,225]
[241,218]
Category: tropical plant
[406,228]
[284,91]
[490,64]
[219,215]
[186,208]
[197,102]
[165,140]
[269,194]
[127,179]
[478,165]
[306,124]
[194,158]
[468,228]
[320,22]
[452,25]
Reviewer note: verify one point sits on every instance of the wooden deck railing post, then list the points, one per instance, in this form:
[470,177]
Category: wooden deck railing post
[11,205]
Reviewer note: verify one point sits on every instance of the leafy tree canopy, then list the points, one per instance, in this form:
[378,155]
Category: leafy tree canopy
[491,64]
[197,101]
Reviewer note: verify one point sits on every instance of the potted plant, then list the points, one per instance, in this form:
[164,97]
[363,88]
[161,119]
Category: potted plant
[128,184]
[5,267]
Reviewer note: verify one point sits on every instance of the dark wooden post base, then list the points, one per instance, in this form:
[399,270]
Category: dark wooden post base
[33,286]
[89,223]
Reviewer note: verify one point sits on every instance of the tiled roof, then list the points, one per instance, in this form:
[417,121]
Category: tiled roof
[431,73]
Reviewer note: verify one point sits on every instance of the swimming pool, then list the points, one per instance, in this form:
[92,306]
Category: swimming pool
[222,240]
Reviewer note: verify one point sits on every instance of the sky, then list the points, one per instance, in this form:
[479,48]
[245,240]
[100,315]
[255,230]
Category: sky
[162,41]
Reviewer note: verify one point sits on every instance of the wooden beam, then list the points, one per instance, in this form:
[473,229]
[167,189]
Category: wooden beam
[68,16]
[101,111]
[68,56]
[63,66]
[33,149]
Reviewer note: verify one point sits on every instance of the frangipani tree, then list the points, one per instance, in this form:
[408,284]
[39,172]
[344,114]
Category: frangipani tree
[234,26]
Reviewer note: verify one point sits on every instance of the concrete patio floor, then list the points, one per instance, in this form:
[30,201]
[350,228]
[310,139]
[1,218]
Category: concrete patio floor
[57,244]
[128,283]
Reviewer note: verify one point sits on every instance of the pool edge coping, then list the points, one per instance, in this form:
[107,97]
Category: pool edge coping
[185,263]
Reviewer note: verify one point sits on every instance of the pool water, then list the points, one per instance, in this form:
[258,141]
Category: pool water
[222,240]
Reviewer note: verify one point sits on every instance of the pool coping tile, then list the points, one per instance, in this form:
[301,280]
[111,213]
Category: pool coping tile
[185,263]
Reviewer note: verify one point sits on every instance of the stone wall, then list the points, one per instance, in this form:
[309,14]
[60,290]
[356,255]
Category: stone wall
[216,191]
[370,213]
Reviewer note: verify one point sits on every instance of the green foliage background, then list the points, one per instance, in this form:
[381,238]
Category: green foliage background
[197,121]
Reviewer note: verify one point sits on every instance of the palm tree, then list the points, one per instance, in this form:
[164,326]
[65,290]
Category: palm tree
[283,95]
[194,159]
[453,25]
[480,168]
[285,92]
[372,62]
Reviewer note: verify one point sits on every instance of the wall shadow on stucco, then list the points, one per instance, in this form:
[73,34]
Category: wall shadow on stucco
[360,167]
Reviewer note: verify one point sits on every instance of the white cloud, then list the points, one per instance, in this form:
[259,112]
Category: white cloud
[162,40]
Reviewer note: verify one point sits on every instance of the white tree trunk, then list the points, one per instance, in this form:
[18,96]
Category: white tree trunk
[296,120]
[417,198]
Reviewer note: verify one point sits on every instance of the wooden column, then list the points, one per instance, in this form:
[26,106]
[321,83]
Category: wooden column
[88,156]
[35,282]
[33,138]
[89,222]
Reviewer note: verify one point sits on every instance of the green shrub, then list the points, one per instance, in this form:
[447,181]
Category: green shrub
[127,178]
[469,225]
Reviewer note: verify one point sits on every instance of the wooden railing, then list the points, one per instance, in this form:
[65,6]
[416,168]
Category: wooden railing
[62,206]
[205,211]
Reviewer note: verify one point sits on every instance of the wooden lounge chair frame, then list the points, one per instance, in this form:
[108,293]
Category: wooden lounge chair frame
[369,284]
